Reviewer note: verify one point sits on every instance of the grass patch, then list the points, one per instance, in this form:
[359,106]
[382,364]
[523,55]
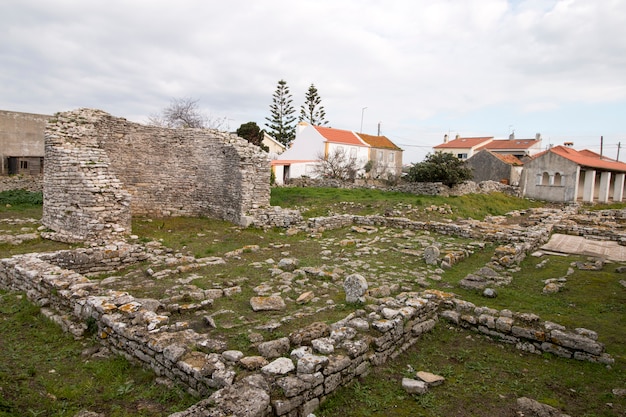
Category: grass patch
[483,378]
[17,198]
[324,201]
[43,372]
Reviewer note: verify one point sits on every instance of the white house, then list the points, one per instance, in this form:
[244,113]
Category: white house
[313,143]
[274,146]
[465,148]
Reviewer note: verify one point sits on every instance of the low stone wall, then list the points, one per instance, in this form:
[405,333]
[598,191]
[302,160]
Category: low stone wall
[293,373]
[418,188]
[527,332]
[526,238]
[274,216]
[21,182]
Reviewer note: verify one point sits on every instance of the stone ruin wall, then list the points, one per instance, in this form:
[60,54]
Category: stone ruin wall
[32,183]
[101,169]
[299,374]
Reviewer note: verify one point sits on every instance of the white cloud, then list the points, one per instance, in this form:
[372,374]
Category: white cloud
[413,63]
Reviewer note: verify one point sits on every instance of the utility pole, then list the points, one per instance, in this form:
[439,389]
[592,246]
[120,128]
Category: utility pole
[601,145]
[619,145]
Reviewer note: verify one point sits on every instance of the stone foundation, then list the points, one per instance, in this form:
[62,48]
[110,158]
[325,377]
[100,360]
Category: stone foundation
[294,373]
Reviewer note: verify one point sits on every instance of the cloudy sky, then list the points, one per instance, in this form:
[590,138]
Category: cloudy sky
[419,68]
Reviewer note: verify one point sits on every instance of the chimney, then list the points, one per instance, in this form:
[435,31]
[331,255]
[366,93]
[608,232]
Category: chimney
[537,136]
[457,136]
[568,144]
[445,138]
[301,126]
[512,136]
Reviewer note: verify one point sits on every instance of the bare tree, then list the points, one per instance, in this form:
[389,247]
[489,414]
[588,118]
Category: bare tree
[185,113]
[337,165]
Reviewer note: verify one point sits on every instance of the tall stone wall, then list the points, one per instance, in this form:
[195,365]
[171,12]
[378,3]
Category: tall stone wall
[100,169]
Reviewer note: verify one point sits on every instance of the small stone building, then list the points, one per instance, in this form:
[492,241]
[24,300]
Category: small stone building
[563,174]
[101,169]
[490,166]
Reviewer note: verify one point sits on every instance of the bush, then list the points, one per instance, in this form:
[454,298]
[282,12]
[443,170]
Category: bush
[440,167]
[21,197]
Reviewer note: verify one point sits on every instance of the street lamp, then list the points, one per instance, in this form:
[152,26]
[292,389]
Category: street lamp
[362,112]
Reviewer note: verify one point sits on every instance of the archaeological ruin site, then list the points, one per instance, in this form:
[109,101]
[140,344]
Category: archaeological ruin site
[102,171]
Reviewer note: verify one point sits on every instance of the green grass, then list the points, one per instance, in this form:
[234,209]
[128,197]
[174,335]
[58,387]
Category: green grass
[42,372]
[20,198]
[324,201]
[483,378]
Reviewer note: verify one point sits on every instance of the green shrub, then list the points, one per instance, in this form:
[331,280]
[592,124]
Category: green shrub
[20,198]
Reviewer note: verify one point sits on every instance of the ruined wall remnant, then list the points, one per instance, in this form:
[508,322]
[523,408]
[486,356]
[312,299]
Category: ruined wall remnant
[100,169]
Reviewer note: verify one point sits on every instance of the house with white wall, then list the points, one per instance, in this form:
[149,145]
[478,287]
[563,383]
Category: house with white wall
[314,143]
[563,174]
[385,157]
[274,147]
[462,148]
[465,148]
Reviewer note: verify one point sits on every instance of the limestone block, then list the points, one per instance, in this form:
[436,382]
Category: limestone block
[271,303]
[414,386]
[323,345]
[253,363]
[355,348]
[309,364]
[576,341]
[292,386]
[280,366]
[355,286]
[312,331]
[430,379]
[274,348]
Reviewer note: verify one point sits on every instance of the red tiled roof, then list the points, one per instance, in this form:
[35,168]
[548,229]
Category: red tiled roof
[588,158]
[378,141]
[509,144]
[339,136]
[508,159]
[463,143]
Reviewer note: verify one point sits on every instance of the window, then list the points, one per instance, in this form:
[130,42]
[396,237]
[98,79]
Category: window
[461,155]
[392,157]
[23,164]
[557,179]
[545,179]
[381,156]
[352,152]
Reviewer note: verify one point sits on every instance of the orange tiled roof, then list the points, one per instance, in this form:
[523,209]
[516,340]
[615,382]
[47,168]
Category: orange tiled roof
[378,141]
[464,143]
[588,158]
[512,144]
[339,136]
[508,159]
